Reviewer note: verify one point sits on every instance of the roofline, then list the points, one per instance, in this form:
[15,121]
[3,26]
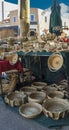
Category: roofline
[30,8]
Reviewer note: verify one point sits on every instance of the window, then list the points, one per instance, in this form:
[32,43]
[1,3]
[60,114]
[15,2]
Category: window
[45,19]
[14,19]
[32,17]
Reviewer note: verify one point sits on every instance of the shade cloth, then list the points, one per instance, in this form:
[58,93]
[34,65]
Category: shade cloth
[5,66]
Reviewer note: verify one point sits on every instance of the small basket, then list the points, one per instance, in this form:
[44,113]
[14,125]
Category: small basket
[55,108]
[13,71]
[38,97]
[57,94]
[64,82]
[9,87]
[50,88]
[15,98]
[28,78]
[63,85]
[55,62]
[30,110]
[39,85]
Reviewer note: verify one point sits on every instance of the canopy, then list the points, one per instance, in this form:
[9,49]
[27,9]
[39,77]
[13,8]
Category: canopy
[55,19]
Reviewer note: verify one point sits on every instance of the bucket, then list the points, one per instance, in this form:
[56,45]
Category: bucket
[55,62]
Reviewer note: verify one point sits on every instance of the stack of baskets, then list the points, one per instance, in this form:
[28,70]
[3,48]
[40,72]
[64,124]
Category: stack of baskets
[9,86]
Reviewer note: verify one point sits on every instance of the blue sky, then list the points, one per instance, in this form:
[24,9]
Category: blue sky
[43,4]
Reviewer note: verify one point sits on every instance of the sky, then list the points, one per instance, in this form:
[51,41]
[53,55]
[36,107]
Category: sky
[43,4]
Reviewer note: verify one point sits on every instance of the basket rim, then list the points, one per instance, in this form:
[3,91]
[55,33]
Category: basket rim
[28,88]
[15,94]
[55,101]
[54,68]
[34,99]
[36,105]
[39,83]
[56,93]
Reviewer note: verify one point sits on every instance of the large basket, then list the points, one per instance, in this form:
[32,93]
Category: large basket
[15,98]
[9,87]
[30,110]
[38,97]
[55,108]
[55,62]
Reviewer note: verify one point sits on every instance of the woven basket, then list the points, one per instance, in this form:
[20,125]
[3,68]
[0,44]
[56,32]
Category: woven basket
[28,78]
[50,88]
[12,71]
[55,108]
[65,82]
[30,110]
[39,85]
[55,62]
[28,89]
[15,98]
[9,87]
[63,85]
[38,97]
[57,94]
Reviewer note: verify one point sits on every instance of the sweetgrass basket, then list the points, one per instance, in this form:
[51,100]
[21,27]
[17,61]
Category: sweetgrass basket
[55,108]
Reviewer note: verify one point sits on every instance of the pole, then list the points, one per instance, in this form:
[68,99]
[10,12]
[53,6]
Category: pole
[24,18]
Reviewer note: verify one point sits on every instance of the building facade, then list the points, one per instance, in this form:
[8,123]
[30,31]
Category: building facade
[38,20]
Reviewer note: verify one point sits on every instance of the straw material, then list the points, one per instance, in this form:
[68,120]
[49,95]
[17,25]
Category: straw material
[55,61]
[50,88]
[30,110]
[38,97]
[15,98]
[39,85]
[55,108]
[12,71]
[9,87]
[28,78]
[57,94]
[64,81]
[28,89]
[62,87]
